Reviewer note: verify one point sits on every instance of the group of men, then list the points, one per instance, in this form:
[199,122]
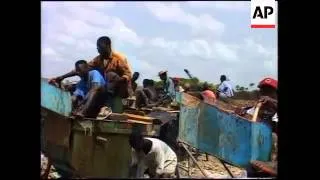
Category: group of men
[104,80]
[149,97]
[108,78]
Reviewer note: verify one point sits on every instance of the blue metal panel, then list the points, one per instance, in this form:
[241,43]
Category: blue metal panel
[55,99]
[229,137]
[262,142]
[189,128]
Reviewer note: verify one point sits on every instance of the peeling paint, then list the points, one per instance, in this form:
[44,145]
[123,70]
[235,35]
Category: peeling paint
[231,138]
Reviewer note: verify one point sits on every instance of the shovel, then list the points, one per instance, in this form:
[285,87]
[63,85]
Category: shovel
[256,112]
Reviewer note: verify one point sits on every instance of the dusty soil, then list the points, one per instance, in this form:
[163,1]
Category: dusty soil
[52,174]
[213,167]
[234,104]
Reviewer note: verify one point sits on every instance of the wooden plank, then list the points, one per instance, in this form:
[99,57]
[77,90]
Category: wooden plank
[139,118]
[139,122]
[118,117]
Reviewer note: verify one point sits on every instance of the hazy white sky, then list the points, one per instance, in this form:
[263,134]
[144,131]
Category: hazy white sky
[209,38]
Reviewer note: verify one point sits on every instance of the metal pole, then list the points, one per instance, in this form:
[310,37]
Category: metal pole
[229,172]
[194,160]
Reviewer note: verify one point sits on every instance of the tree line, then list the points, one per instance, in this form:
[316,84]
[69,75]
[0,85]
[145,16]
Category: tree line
[240,92]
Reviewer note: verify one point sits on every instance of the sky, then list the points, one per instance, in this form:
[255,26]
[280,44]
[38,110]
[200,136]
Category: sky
[209,38]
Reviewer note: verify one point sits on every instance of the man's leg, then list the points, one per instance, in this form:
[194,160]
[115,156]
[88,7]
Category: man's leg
[74,100]
[141,98]
[169,169]
[94,101]
[117,106]
[223,98]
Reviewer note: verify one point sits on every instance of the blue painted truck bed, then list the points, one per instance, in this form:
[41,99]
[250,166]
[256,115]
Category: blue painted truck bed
[224,135]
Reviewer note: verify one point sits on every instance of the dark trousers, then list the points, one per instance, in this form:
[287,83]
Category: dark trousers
[96,98]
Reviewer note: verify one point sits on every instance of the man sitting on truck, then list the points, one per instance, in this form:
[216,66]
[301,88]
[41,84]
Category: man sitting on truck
[168,88]
[113,64]
[88,97]
[146,97]
[151,156]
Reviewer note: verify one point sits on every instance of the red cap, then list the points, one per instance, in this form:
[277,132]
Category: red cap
[268,82]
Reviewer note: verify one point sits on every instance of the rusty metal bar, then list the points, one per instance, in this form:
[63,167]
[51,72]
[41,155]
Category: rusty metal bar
[189,174]
[228,170]
[194,160]
[207,158]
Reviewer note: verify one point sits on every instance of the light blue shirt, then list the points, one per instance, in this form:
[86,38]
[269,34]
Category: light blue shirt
[169,88]
[83,87]
[226,88]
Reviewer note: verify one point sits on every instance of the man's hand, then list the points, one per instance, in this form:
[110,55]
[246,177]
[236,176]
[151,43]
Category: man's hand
[266,99]
[270,101]
[55,81]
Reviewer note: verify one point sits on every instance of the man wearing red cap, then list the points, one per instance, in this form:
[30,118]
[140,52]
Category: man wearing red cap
[268,114]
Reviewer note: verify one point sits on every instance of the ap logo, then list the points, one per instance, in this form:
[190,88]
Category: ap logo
[263,13]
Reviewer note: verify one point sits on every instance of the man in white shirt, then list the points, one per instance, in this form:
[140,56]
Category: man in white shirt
[151,156]
[225,88]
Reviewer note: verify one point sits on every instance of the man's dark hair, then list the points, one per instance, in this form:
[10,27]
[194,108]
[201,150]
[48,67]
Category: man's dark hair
[145,82]
[80,62]
[151,82]
[103,41]
[148,82]
[136,140]
[135,76]
[205,86]
[164,74]
[223,77]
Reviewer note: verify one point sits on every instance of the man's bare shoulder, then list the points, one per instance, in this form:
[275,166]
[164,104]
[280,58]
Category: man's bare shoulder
[95,59]
[119,55]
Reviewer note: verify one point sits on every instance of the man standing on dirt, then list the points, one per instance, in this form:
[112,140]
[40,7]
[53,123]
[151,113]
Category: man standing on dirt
[113,64]
[151,156]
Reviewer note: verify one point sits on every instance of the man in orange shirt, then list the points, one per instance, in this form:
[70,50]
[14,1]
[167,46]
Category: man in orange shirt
[114,67]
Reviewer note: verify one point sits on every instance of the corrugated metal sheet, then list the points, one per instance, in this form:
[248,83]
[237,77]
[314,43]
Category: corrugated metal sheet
[229,137]
[55,99]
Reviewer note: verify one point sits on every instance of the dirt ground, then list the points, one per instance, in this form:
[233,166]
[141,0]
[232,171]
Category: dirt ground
[213,167]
